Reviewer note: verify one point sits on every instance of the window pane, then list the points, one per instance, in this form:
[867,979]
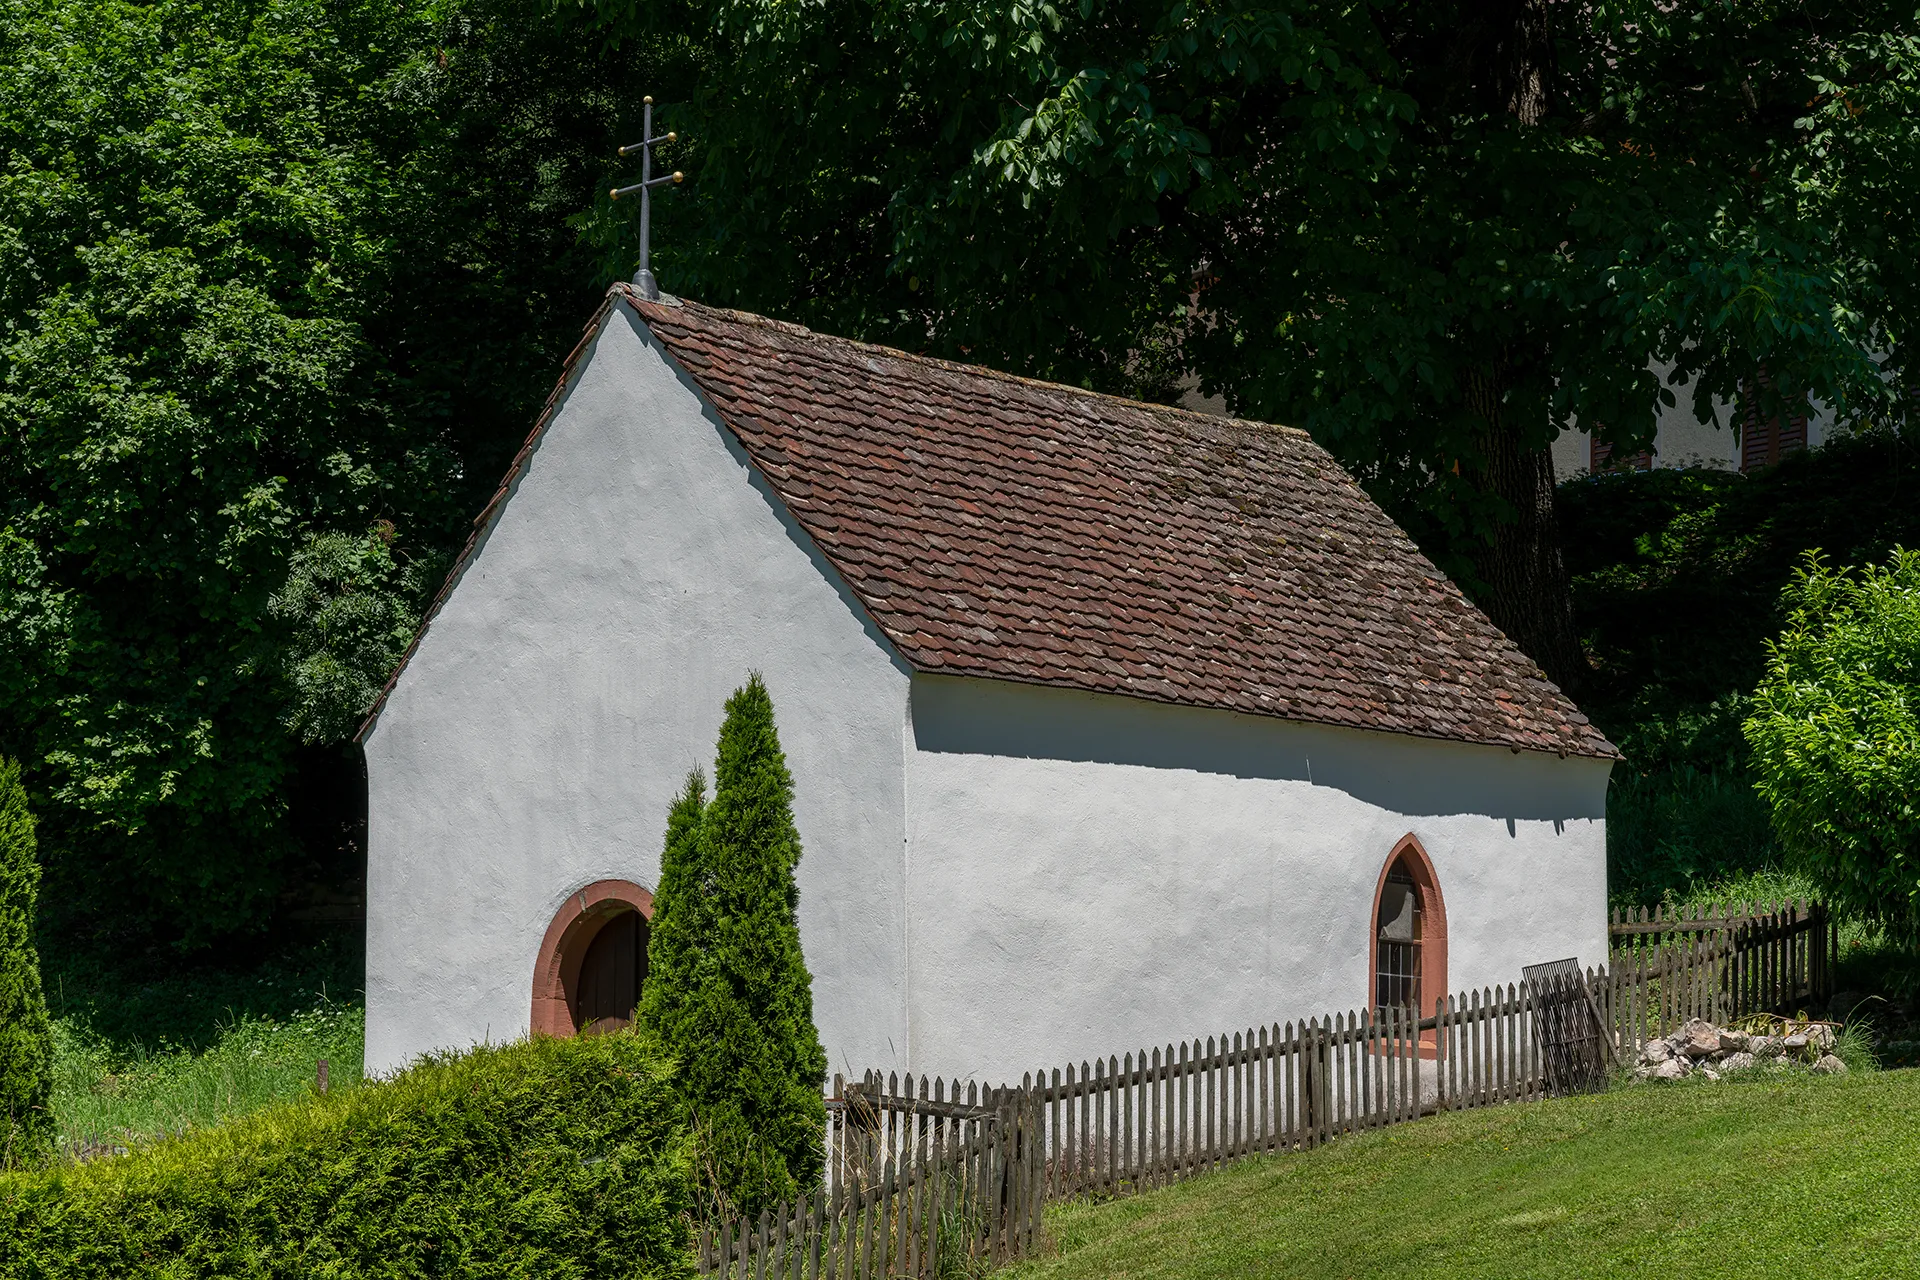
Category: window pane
[1398,969]
[1397,901]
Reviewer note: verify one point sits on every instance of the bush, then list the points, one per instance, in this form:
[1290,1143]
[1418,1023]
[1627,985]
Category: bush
[1835,737]
[26,1042]
[555,1158]
[727,988]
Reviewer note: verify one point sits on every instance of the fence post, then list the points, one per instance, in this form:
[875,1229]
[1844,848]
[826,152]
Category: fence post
[1822,977]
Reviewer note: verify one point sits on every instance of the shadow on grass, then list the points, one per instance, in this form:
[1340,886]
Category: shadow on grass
[150,997]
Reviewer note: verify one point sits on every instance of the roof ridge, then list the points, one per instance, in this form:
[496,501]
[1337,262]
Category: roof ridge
[755,320]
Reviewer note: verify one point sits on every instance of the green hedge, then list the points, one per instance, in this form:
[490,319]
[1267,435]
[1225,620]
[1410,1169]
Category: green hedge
[555,1158]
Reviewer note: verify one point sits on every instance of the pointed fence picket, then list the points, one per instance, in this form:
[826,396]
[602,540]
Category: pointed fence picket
[922,1174]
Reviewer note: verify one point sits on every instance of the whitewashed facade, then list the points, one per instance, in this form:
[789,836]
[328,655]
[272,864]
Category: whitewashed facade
[1000,874]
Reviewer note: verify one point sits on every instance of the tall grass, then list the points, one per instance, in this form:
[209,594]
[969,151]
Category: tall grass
[108,1096]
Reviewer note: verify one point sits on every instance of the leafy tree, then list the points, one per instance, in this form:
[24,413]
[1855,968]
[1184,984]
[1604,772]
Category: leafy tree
[26,1040]
[1430,234]
[1835,736]
[733,1000]
[282,283]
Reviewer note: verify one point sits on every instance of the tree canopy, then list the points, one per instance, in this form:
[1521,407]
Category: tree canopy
[283,281]
[1430,234]
[281,285]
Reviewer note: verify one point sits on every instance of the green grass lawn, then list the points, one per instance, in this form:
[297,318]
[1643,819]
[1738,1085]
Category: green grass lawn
[1791,1177]
[148,1044]
[105,1095]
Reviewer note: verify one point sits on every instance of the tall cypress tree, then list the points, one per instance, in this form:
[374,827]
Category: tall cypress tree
[682,925]
[26,1040]
[733,1000]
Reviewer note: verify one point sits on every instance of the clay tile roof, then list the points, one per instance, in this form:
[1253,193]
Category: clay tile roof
[1001,527]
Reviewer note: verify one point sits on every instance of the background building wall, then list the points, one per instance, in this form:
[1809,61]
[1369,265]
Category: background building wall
[634,576]
[1092,874]
[1682,439]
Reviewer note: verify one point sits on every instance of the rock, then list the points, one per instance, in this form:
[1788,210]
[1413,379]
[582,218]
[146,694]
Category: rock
[1709,1073]
[1734,1041]
[1829,1066]
[1701,1039]
[1671,1069]
[1820,1039]
[1794,1045]
[1655,1051]
[1738,1062]
[1765,1046]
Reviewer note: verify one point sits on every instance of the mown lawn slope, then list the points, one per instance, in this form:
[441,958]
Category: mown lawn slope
[1794,1177]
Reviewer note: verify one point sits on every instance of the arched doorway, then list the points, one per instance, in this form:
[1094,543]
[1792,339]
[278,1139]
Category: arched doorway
[593,960]
[1408,946]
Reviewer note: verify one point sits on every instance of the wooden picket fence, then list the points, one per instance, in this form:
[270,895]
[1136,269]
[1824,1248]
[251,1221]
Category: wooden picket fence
[923,1177]
[1719,963]
[926,1177]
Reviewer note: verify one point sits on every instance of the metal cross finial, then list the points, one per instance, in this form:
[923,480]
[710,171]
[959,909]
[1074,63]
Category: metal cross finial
[643,278]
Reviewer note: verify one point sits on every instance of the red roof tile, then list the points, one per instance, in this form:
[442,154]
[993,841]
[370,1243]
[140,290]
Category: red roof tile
[1000,527]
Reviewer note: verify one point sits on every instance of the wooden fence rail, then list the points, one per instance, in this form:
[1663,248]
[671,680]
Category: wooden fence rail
[914,1176]
[1720,963]
[921,1173]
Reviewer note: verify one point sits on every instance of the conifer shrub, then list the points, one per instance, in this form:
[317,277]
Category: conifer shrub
[26,1039]
[553,1158]
[682,926]
[728,991]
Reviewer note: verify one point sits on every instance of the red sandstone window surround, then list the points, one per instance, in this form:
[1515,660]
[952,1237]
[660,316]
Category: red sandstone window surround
[592,961]
[1408,938]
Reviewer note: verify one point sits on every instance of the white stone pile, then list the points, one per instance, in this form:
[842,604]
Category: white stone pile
[1702,1049]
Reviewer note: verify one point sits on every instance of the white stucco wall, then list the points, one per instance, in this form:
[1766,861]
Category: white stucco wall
[1091,874]
[634,576]
[998,877]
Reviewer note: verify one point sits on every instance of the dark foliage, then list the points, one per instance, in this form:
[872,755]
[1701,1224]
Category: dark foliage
[26,1045]
[281,285]
[1678,578]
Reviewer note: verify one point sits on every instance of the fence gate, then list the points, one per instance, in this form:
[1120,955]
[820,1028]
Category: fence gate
[1575,1050]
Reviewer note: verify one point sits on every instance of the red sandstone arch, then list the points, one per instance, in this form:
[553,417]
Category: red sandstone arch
[1433,940]
[557,970]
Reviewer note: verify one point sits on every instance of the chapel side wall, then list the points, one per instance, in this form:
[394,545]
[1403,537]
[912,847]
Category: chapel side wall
[1092,874]
[578,670]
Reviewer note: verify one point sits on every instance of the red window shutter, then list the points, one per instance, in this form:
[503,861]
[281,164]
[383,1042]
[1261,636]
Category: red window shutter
[1765,442]
[1601,459]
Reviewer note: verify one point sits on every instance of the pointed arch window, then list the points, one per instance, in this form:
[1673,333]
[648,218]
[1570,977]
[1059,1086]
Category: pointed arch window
[1397,939]
[1409,933]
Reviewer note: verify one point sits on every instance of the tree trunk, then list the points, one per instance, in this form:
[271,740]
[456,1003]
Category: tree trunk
[1529,596]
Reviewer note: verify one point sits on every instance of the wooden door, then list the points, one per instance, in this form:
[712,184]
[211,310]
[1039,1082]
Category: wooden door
[611,974]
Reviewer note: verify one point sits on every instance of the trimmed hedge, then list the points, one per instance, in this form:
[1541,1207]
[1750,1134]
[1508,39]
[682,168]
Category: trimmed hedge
[554,1158]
